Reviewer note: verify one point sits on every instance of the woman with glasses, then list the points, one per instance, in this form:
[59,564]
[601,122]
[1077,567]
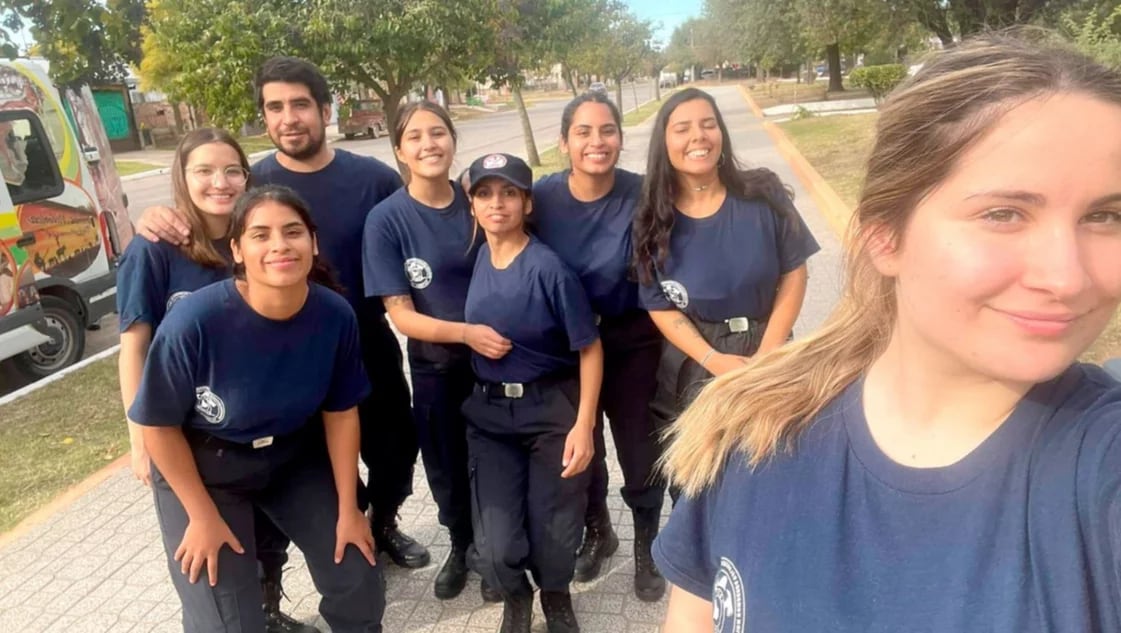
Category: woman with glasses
[208,175]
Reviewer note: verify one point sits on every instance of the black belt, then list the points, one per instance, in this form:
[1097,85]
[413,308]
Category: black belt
[517,390]
[200,436]
[734,325]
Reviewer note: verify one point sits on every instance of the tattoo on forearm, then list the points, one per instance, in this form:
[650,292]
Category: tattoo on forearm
[683,322]
[397,300]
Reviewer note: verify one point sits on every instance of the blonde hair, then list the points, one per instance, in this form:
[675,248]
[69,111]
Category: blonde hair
[923,129]
[200,249]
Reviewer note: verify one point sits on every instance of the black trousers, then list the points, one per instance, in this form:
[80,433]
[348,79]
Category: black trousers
[388,439]
[438,396]
[389,436]
[526,516]
[292,484]
[680,378]
[632,346]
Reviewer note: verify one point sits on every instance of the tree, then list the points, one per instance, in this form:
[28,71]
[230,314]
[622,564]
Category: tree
[206,52]
[840,25]
[953,20]
[524,36]
[390,46]
[623,50]
[85,41]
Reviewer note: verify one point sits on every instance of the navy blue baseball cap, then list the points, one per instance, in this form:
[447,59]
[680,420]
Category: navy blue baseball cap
[505,166]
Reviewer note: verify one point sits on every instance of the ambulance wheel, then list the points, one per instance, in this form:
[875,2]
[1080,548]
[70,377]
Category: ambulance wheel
[349,135]
[68,340]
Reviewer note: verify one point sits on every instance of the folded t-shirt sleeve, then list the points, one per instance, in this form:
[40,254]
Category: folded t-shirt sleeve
[682,551]
[795,241]
[141,285]
[166,394]
[383,272]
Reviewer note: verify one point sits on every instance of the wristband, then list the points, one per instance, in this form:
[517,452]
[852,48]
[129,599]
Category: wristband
[711,351]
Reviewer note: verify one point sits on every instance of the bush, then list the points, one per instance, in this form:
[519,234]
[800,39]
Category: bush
[879,80]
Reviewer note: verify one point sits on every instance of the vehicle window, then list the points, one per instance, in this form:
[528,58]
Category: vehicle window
[27,160]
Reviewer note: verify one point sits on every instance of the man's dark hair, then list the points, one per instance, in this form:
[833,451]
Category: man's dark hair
[292,70]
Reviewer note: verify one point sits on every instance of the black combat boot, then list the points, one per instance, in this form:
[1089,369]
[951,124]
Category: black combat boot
[600,542]
[453,575]
[517,612]
[649,585]
[559,616]
[403,549]
[275,620]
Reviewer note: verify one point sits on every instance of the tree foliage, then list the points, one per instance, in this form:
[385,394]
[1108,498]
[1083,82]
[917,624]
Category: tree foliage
[85,41]
[879,80]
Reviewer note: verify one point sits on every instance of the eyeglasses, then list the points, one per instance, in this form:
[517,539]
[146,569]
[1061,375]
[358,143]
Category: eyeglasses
[204,174]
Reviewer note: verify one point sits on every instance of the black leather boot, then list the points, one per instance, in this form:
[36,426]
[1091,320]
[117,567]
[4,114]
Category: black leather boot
[275,620]
[403,549]
[600,542]
[453,575]
[649,585]
[517,612]
[559,616]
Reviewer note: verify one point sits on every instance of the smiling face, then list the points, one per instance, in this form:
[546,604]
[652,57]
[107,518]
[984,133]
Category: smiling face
[500,207]
[594,140]
[693,139]
[296,125]
[276,249]
[215,178]
[1011,267]
[427,147]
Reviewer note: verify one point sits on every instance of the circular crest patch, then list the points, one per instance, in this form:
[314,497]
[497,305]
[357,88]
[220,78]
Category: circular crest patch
[676,293]
[728,604]
[494,161]
[418,272]
[174,299]
[209,405]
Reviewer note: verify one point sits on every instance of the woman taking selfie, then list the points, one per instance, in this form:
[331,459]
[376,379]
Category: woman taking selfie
[933,459]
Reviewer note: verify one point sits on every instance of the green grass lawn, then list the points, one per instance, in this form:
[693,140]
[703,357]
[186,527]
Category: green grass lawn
[551,162]
[58,436]
[127,167]
[771,93]
[645,111]
[838,147]
[252,144]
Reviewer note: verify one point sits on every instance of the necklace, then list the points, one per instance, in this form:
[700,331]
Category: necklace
[701,188]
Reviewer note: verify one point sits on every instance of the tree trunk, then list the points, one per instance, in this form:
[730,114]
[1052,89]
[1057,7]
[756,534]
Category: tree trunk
[833,54]
[619,94]
[527,127]
[177,115]
[658,86]
[568,80]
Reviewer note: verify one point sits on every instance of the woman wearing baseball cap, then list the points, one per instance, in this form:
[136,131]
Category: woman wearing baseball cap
[532,414]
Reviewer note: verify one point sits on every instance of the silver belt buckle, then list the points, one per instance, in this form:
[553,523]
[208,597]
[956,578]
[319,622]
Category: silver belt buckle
[738,324]
[262,442]
[513,389]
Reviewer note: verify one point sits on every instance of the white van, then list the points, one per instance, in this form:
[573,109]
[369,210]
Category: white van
[62,218]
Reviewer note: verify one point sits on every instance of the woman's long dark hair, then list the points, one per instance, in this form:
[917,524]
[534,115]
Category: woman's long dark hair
[653,220]
[321,272]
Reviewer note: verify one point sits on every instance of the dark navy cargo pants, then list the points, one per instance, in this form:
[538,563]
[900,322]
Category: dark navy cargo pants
[526,517]
[292,484]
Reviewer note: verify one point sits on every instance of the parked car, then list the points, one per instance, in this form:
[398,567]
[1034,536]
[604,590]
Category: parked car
[708,73]
[599,87]
[62,220]
[363,116]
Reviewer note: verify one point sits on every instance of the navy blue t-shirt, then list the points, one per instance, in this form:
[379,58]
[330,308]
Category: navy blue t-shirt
[728,265]
[217,365]
[340,195]
[592,238]
[426,253]
[1021,535]
[537,303]
[153,277]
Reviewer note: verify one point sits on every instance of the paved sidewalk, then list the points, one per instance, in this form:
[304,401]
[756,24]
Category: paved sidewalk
[98,564]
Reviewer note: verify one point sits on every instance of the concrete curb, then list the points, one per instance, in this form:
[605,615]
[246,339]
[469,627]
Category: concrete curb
[166,170]
[836,212]
[53,378]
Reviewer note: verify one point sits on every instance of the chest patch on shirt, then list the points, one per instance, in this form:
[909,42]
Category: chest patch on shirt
[209,405]
[676,293]
[418,272]
[728,603]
